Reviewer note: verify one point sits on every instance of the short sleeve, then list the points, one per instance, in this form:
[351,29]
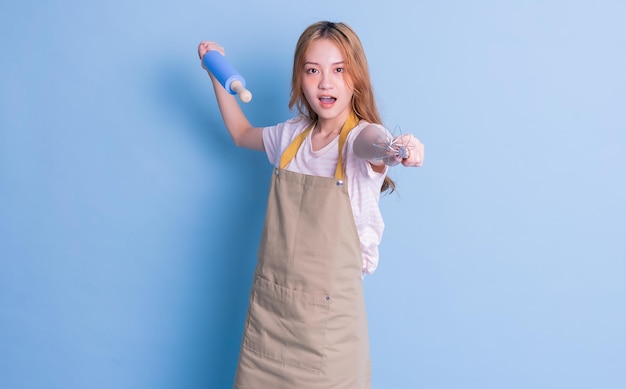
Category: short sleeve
[271,142]
[277,138]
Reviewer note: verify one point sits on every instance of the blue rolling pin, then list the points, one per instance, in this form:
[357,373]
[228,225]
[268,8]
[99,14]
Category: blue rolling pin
[226,74]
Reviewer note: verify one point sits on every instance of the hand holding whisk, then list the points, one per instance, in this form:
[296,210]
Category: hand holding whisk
[373,144]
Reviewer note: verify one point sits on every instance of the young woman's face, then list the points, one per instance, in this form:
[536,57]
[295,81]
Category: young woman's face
[325,82]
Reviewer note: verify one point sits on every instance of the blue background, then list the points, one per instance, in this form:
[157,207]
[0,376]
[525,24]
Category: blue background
[129,222]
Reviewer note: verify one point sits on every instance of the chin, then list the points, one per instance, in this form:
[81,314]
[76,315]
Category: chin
[330,113]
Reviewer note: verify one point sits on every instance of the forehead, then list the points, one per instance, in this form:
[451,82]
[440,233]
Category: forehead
[323,51]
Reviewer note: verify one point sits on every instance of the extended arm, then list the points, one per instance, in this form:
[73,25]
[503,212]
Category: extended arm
[377,147]
[240,129]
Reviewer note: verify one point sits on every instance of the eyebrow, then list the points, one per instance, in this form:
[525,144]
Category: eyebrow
[315,63]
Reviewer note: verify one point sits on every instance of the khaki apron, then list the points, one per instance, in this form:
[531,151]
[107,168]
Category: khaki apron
[306,324]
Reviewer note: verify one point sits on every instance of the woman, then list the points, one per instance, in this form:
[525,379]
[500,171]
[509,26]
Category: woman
[306,325]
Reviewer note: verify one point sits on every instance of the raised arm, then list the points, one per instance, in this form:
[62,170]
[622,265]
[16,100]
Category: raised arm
[237,124]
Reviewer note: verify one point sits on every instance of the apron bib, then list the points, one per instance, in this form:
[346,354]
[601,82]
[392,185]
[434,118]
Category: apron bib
[306,324]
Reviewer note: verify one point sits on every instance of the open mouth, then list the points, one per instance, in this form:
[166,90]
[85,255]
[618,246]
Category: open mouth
[327,99]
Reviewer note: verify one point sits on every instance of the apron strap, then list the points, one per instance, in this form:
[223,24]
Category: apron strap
[292,149]
[343,136]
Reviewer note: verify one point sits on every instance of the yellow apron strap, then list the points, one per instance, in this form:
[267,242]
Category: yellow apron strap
[292,149]
[343,136]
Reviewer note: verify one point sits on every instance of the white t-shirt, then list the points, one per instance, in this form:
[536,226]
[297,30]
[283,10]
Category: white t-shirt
[363,182]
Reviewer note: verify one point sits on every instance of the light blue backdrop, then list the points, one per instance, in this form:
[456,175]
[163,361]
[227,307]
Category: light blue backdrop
[129,222]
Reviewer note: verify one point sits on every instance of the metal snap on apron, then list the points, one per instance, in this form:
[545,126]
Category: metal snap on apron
[306,324]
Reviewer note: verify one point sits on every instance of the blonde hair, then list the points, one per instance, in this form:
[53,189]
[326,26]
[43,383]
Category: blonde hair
[363,103]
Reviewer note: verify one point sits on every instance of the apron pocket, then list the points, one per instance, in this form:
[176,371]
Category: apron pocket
[287,325]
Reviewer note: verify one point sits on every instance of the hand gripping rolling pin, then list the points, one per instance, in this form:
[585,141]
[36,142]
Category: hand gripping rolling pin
[226,74]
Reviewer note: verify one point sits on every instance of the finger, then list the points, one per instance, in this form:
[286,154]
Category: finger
[202,49]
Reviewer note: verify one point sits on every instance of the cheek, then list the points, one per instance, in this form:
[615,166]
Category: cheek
[308,87]
[308,82]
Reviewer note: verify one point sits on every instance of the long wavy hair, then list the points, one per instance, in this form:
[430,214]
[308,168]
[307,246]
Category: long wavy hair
[356,69]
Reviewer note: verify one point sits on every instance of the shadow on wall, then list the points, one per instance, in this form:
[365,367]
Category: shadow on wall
[227,237]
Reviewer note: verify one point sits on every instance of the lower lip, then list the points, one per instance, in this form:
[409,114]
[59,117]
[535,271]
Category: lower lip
[328,104]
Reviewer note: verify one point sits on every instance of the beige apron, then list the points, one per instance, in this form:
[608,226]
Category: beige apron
[306,325]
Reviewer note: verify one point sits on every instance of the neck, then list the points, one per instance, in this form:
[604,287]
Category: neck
[327,130]
[331,127]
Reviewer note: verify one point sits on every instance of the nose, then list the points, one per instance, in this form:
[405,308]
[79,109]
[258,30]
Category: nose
[325,82]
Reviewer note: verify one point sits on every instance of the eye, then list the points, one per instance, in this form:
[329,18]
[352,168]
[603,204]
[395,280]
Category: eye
[340,70]
[310,71]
